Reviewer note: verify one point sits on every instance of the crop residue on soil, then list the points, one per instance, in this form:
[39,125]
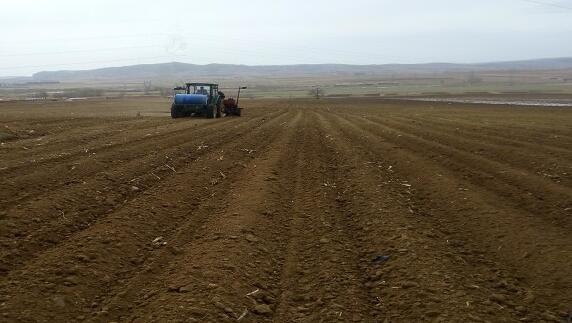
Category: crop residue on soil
[343,210]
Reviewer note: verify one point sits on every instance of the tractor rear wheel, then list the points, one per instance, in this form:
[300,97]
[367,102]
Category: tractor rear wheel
[211,112]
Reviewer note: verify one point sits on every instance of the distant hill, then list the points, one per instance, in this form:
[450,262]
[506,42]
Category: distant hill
[176,70]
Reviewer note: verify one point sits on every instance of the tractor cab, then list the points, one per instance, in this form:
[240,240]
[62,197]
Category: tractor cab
[208,89]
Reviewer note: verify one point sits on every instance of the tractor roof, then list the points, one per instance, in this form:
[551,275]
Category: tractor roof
[201,84]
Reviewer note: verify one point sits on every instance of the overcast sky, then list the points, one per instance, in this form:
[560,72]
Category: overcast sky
[38,35]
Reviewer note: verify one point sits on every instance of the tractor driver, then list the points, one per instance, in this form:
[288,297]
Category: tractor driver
[202,90]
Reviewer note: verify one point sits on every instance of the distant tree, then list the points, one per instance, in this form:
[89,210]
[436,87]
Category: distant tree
[42,95]
[317,92]
[147,86]
[164,91]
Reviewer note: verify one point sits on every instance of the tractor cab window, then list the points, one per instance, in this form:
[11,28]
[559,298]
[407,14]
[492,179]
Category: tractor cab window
[202,90]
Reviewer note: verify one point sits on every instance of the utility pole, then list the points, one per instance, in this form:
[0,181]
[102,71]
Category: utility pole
[316,93]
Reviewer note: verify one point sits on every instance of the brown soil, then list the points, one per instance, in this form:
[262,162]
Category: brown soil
[361,210]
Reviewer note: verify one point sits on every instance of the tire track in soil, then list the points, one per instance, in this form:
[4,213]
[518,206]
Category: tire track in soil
[526,271]
[553,167]
[40,234]
[28,132]
[422,264]
[235,251]
[321,279]
[505,181]
[111,177]
[518,125]
[46,153]
[111,252]
[104,153]
[526,135]
[284,220]
[480,133]
[136,142]
[520,118]
[113,157]
[76,135]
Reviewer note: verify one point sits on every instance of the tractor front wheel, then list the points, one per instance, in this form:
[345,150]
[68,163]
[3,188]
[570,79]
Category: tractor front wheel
[174,112]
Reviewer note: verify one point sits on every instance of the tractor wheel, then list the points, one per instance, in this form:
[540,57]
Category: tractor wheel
[218,111]
[211,112]
[174,112]
[238,112]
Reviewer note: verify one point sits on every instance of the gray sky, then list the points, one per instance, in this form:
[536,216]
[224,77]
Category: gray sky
[38,35]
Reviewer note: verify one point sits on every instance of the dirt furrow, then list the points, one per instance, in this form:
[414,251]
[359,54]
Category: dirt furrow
[237,250]
[492,134]
[39,230]
[45,180]
[405,260]
[505,181]
[322,279]
[22,174]
[536,126]
[330,210]
[463,213]
[46,146]
[554,167]
[555,136]
[29,130]
[93,161]
[111,251]
[109,140]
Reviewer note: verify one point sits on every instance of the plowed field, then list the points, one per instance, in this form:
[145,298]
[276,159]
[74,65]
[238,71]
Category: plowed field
[349,210]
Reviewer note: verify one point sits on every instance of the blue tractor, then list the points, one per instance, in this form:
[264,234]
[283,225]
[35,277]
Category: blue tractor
[199,99]
[204,99]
